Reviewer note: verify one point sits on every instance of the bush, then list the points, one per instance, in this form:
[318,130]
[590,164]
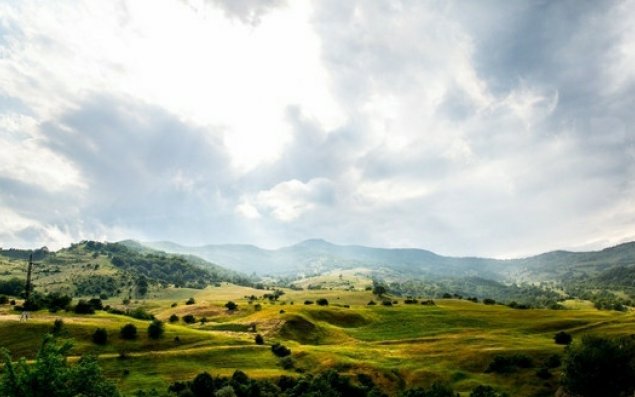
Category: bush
[287,363]
[257,307]
[486,391]
[203,385]
[174,318]
[100,336]
[141,314]
[489,301]
[308,302]
[386,302]
[128,331]
[322,302]
[96,303]
[260,340]
[600,367]
[189,319]
[58,325]
[84,307]
[280,350]
[563,338]
[190,301]
[507,364]
[371,303]
[155,329]
[231,306]
[553,361]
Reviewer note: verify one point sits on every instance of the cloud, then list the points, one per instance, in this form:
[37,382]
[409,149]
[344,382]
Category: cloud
[248,11]
[498,129]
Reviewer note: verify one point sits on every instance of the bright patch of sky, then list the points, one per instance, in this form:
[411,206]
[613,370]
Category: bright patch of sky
[467,128]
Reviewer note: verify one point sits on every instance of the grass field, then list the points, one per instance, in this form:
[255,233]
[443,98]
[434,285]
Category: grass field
[400,345]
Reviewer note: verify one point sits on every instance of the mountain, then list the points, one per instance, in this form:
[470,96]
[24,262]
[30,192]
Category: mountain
[317,256]
[96,268]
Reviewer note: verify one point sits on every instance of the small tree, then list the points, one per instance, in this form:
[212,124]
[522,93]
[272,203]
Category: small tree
[190,301]
[203,385]
[155,329]
[260,340]
[562,338]
[174,318]
[84,307]
[100,336]
[231,306]
[189,319]
[280,350]
[58,325]
[322,302]
[128,331]
[600,367]
[379,290]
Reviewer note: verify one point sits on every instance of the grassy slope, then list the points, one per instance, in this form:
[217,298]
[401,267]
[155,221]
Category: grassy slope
[453,341]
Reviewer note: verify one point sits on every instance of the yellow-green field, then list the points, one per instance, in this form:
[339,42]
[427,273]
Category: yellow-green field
[402,345]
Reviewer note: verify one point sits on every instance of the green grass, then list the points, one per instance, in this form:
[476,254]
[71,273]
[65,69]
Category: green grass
[453,341]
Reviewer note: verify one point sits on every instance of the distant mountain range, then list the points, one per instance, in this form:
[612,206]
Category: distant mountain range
[318,256]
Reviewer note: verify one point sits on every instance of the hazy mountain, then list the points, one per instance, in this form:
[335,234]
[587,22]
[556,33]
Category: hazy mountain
[315,256]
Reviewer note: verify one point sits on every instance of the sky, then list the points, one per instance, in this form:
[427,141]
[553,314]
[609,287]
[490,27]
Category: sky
[494,128]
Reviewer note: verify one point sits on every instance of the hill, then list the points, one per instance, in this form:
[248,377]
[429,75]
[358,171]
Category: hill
[92,268]
[319,256]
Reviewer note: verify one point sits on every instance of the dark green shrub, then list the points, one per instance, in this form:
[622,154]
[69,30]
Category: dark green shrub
[100,336]
[174,318]
[260,340]
[189,319]
[563,338]
[84,307]
[155,329]
[128,331]
[280,350]
[600,367]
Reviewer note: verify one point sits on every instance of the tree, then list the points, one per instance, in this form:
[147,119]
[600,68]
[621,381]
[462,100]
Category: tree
[379,290]
[260,340]
[100,336]
[322,302]
[142,286]
[203,385]
[190,301]
[562,338]
[174,318]
[155,329]
[128,331]
[84,307]
[231,306]
[58,325]
[280,350]
[189,319]
[51,375]
[600,367]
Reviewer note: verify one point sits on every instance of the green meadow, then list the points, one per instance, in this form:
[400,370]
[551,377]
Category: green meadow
[399,346]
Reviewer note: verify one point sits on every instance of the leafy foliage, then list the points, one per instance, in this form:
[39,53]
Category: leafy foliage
[600,367]
[155,329]
[128,331]
[52,376]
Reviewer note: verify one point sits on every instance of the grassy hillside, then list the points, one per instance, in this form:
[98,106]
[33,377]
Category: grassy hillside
[92,268]
[401,345]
